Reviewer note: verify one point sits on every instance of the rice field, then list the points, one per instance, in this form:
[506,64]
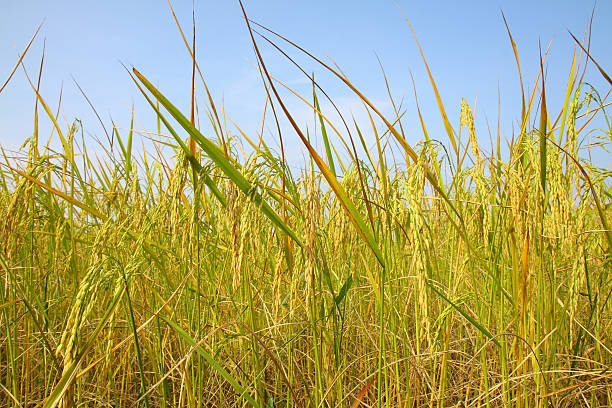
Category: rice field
[457,276]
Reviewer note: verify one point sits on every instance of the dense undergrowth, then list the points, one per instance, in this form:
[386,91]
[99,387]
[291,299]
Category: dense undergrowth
[217,279]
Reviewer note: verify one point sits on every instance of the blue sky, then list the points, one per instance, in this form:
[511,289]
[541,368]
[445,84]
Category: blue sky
[465,43]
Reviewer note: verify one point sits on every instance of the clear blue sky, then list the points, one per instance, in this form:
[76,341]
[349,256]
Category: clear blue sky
[465,43]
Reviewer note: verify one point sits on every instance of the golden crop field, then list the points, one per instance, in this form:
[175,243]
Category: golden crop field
[451,276]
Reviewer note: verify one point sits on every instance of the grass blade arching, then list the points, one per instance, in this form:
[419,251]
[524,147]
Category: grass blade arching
[218,157]
[213,363]
[343,197]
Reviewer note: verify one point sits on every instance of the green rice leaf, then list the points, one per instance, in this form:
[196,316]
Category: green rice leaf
[218,157]
[213,363]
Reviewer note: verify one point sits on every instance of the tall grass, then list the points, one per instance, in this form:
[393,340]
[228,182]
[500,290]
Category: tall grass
[218,278]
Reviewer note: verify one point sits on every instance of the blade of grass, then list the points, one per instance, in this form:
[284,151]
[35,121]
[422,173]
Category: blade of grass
[330,159]
[343,197]
[362,393]
[243,393]
[449,129]
[20,58]
[463,313]
[518,65]
[197,67]
[192,159]
[543,122]
[143,386]
[218,157]
[603,73]
[568,93]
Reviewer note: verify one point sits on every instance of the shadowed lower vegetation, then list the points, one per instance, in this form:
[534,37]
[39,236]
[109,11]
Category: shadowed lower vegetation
[453,277]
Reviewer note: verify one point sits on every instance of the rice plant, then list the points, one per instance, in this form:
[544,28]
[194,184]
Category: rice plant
[222,277]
